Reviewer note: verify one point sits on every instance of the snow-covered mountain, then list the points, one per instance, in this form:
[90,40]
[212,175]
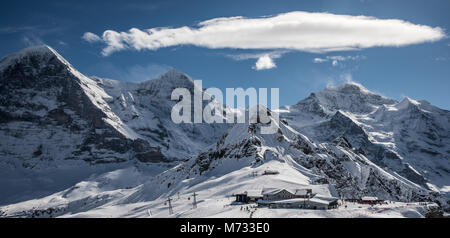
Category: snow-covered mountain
[409,138]
[146,109]
[54,120]
[73,145]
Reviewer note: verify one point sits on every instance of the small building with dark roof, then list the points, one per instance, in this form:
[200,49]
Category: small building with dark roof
[249,196]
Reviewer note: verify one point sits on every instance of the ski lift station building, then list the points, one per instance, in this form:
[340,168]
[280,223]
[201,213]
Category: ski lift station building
[249,196]
[281,193]
[319,203]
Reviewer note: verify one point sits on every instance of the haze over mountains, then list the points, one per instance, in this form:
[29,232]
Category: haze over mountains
[89,146]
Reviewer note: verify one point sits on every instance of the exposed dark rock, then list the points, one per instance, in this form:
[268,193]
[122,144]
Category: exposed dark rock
[343,142]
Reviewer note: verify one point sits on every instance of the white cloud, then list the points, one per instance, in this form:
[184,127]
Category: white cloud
[91,37]
[335,60]
[303,31]
[264,62]
[340,79]
[265,59]
[319,60]
[275,54]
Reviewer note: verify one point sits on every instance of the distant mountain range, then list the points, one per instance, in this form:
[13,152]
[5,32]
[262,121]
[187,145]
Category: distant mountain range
[74,144]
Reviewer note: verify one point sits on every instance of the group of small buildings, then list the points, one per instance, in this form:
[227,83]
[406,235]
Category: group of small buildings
[367,200]
[287,198]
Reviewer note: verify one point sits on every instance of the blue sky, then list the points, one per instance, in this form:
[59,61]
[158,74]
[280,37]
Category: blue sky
[419,70]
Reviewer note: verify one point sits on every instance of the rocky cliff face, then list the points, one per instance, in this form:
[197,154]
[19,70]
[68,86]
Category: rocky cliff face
[50,111]
[146,109]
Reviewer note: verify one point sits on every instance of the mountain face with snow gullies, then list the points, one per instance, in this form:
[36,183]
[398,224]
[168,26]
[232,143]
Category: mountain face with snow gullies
[146,109]
[73,145]
[409,138]
[45,101]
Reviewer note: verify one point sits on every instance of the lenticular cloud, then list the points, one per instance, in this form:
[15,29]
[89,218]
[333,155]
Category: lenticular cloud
[303,31]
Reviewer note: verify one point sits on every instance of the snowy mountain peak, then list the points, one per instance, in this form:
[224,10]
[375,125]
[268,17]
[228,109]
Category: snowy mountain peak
[166,83]
[350,97]
[350,87]
[40,55]
[416,107]
[407,102]
[174,73]
[175,77]
[33,50]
